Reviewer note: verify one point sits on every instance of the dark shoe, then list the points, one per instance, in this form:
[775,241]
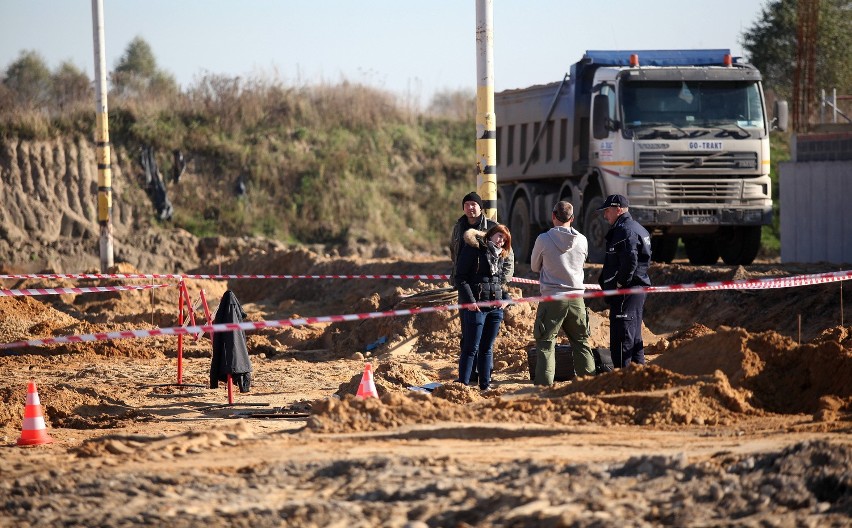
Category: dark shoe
[486,388]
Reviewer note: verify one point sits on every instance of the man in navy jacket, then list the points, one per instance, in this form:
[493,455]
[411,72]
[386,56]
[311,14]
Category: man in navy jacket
[628,255]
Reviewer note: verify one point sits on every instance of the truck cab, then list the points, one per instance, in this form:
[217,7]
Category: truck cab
[682,133]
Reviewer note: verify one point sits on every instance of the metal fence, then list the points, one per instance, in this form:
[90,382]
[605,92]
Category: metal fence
[816,216]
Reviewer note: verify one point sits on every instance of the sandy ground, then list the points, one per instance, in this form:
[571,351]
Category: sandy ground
[741,417]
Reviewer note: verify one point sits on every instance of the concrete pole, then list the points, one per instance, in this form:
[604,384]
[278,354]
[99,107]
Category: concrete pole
[486,122]
[102,145]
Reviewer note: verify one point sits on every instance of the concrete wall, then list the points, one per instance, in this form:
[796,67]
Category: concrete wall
[816,211]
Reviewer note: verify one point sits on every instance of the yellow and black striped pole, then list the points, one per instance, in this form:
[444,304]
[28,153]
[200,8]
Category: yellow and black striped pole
[486,122]
[102,145]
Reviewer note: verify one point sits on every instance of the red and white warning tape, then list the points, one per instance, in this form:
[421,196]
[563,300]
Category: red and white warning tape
[756,284]
[217,277]
[189,276]
[530,281]
[802,280]
[88,289]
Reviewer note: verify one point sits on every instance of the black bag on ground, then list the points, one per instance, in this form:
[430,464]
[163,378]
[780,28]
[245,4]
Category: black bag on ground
[603,360]
[564,362]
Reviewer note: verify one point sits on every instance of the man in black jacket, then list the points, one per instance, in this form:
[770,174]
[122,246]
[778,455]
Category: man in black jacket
[628,255]
[473,218]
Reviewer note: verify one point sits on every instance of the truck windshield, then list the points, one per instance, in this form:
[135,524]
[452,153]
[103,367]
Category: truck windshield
[702,104]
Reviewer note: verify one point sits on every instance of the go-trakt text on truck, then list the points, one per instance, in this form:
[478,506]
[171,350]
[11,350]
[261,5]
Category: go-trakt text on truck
[684,134]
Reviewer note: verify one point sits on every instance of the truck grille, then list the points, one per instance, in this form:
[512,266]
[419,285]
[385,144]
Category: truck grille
[694,161]
[697,191]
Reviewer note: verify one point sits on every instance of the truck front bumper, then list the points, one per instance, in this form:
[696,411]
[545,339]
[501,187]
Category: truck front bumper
[699,217]
[700,202]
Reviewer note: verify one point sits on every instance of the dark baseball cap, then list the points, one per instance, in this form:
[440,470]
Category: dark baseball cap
[614,200]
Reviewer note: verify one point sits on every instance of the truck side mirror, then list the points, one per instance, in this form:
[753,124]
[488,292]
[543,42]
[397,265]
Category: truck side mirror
[781,115]
[601,120]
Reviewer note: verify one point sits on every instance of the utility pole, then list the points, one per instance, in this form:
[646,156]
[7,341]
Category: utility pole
[486,122]
[804,86]
[102,145]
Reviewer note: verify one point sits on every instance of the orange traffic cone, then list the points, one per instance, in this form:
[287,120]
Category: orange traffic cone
[367,388]
[33,432]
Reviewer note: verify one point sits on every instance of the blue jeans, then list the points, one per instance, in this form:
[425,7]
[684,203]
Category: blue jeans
[480,330]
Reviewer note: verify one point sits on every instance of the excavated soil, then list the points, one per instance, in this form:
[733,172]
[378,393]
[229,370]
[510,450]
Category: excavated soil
[742,415]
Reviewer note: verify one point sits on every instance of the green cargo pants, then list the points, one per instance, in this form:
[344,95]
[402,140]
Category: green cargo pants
[571,316]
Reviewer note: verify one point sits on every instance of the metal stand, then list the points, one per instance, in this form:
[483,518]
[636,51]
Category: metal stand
[184,299]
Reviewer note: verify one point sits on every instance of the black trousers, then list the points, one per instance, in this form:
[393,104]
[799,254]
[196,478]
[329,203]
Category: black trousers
[625,329]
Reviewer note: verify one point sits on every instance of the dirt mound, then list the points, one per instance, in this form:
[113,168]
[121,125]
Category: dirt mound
[388,376]
[838,334]
[783,377]
[797,379]
[726,350]
[71,406]
[24,318]
[645,396]
[788,311]
[676,338]
[704,378]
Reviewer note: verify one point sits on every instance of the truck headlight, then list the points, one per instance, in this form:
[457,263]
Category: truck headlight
[641,192]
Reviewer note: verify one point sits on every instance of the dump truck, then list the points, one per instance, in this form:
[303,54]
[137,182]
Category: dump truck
[683,134]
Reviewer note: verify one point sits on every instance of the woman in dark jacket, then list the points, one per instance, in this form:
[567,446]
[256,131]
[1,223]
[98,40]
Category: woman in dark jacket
[480,278]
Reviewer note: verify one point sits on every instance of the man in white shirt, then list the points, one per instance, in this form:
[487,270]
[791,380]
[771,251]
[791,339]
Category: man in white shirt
[558,256]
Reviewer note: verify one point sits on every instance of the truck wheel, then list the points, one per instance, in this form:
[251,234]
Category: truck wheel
[701,250]
[595,228]
[663,248]
[739,245]
[520,224]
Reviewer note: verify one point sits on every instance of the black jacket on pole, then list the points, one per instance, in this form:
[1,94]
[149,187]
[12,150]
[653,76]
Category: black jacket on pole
[230,354]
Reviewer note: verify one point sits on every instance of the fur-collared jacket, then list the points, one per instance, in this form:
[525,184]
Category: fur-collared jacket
[461,227]
[480,270]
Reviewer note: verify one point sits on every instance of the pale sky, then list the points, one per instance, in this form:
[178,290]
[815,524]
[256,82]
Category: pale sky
[408,47]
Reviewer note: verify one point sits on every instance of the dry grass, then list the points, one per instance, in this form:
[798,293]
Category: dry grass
[338,163]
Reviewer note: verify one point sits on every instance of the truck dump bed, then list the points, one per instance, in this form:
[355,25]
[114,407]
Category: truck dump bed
[520,116]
